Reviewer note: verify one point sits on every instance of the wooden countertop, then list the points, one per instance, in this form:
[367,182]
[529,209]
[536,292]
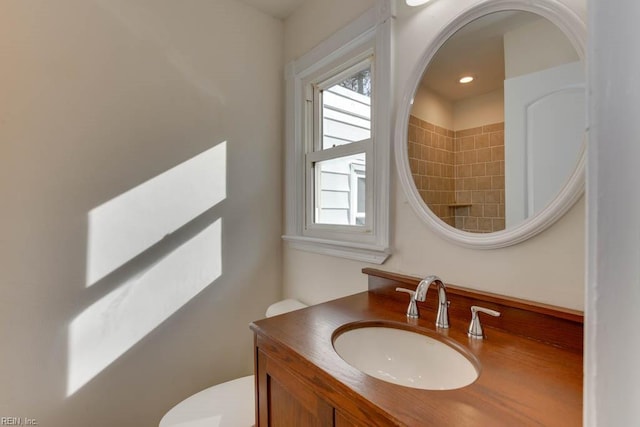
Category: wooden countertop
[522,381]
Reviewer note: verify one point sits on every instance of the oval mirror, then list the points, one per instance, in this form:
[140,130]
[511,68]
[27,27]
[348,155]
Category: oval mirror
[490,138]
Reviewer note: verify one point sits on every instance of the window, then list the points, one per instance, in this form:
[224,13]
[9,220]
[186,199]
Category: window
[338,128]
[342,139]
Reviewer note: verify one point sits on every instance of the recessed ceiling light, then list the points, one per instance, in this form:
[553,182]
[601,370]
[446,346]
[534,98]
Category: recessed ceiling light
[466,79]
[416,2]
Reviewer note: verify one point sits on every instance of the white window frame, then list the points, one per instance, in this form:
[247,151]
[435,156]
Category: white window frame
[369,35]
[357,171]
[314,152]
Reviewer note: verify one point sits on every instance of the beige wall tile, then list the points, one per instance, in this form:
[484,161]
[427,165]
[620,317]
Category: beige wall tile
[497,153]
[471,223]
[464,196]
[493,197]
[423,167]
[469,184]
[451,186]
[428,138]
[484,155]
[497,182]
[463,171]
[450,156]
[470,157]
[490,210]
[427,126]
[479,169]
[494,168]
[449,142]
[476,210]
[485,225]
[467,143]
[412,133]
[477,196]
[468,132]
[441,131]
[482,141]
[425,182]
[496,139]
[459,222]
[449,170]
[493,127]
[484,183]
[460,167]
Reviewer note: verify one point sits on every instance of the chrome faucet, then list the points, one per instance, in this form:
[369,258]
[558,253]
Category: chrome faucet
[475,327]
[420,294]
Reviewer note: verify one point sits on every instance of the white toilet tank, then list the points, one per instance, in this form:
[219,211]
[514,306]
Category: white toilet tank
[284,306]
[230,404]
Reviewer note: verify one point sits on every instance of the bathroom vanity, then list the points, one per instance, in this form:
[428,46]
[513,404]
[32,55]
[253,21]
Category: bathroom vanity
[529,364]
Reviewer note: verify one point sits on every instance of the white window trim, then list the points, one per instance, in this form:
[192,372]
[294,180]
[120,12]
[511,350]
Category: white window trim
[357,171]
[371,32]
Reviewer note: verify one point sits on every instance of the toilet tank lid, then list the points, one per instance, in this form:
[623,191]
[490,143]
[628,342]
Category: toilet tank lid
[284,306]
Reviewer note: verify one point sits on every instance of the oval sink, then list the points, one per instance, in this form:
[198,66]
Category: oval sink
[404,357]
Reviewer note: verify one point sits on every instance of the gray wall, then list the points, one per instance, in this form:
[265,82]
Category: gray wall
[98,100]
[612,376]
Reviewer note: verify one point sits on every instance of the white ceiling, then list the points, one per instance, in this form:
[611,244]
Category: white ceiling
[476,49]
[280,9]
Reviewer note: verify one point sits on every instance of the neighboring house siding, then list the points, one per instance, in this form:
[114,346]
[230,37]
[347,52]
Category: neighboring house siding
[347,119]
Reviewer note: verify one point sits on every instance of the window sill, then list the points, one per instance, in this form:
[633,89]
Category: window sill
[358,252]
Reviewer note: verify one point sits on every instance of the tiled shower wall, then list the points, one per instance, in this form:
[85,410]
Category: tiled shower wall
[432,162]
[460,175]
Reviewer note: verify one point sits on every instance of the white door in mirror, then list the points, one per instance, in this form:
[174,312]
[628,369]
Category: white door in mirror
[544,127]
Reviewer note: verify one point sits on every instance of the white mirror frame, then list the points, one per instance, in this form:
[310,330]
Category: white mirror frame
[575,30]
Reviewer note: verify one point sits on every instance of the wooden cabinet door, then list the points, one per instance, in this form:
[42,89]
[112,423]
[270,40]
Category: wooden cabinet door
[283,400]
[344,420]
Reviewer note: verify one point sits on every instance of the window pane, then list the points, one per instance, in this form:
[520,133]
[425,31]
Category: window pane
[346,110]
[360,197]
[361,193]
[340,196]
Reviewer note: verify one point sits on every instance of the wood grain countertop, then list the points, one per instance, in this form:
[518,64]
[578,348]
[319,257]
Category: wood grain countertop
[522,381]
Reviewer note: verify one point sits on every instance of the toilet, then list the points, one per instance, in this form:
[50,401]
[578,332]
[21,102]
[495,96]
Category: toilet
[230,404]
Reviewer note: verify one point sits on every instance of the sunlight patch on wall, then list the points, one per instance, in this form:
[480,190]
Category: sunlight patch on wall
[111,326]
[134,221]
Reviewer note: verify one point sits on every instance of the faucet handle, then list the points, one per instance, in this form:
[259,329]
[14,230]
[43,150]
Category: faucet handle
[412,310]
[475,328]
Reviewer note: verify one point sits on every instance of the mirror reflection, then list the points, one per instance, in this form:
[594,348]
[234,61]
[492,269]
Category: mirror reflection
[497,123]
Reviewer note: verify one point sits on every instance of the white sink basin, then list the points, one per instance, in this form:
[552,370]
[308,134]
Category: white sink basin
[406,358]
